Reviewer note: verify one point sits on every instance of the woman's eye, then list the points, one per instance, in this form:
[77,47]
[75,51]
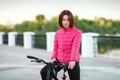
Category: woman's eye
[63,19]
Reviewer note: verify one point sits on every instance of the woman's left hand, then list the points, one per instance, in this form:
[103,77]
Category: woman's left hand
[71,65]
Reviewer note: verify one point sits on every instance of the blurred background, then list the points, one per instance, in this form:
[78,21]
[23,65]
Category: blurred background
[41,16]
[28,27]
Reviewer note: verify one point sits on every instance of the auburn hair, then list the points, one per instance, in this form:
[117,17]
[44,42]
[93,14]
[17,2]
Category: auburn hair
[70,18]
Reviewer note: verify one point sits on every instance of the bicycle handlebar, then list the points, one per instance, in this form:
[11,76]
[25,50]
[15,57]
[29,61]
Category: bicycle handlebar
[31,57]
[39,60]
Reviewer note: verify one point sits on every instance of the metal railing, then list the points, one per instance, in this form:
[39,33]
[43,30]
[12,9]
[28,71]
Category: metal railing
[107,43]
[39,41]
[5,39]
[19,40]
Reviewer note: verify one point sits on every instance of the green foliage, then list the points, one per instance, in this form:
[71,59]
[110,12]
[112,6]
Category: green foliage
[40,18]
[41,25]
[51,26]
[27,26]
[5,29]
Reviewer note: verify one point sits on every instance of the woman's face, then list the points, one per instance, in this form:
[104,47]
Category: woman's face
[65,21]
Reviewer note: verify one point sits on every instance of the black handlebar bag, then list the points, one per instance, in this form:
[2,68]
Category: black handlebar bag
[49,72]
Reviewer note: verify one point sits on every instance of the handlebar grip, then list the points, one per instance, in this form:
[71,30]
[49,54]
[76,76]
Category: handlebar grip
[31,57]
[39,60]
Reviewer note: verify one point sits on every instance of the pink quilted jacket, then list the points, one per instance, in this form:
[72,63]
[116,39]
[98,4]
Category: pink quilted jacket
[67,44]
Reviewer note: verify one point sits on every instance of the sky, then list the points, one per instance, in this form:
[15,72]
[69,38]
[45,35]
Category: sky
[17,11]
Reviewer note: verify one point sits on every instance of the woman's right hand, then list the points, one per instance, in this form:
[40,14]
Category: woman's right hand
[53,60]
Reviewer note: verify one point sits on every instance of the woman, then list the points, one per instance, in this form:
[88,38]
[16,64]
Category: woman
[66,45]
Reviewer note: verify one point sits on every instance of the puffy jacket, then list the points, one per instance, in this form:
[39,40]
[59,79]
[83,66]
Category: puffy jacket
[67,44]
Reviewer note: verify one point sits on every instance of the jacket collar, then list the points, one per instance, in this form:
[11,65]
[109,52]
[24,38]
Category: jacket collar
[67,29]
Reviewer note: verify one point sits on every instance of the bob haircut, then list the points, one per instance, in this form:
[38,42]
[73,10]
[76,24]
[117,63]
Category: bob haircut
[70,18]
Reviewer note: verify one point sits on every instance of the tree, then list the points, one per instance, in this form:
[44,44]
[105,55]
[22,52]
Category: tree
[52,25]
[40,19]
[27,26]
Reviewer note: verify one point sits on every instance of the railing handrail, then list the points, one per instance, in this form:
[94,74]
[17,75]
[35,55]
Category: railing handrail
[106,36]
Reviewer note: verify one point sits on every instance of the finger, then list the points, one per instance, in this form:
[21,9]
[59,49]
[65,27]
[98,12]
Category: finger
[70,66]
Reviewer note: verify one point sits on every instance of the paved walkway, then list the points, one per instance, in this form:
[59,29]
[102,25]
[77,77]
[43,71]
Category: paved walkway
[15,66]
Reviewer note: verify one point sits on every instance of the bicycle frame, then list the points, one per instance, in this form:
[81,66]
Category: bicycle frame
[39,60]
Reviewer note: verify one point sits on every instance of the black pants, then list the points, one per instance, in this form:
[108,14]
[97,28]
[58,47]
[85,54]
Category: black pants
[74,74]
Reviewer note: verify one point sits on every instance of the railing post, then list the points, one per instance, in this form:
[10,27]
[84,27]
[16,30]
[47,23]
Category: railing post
[12,38]
[88,44]
[50,41]
[1,37]
[28,39]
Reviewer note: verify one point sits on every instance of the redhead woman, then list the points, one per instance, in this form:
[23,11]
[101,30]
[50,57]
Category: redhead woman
[66,45]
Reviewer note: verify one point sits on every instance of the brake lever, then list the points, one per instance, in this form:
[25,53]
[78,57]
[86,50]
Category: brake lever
[33,61]
[64,66]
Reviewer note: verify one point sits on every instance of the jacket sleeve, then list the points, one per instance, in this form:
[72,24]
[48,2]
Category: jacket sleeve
[75,46]
[54,54]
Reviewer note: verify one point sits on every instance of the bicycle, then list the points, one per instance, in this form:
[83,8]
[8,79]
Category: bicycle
[51,70]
